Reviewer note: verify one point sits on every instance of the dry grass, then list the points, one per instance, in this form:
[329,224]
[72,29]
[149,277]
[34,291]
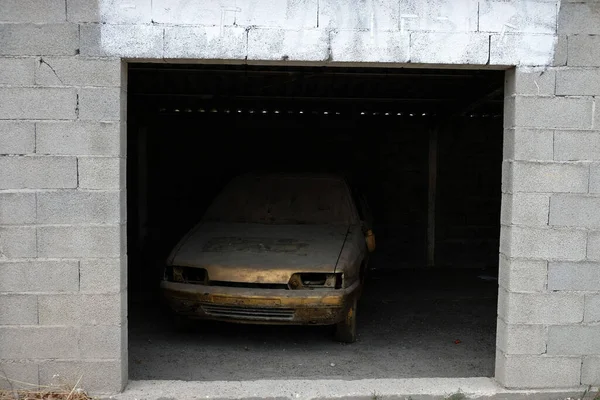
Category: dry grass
[43,394]
[37,392]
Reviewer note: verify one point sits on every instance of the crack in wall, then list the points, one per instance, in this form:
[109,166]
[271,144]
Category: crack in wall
[42,62]
[77,106]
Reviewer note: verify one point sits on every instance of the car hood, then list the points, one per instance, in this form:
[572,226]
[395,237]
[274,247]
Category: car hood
[259,253]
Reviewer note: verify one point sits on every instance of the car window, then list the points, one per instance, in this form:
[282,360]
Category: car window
[283,200]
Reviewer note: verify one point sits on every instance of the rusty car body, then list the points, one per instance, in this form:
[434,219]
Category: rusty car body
[276,249]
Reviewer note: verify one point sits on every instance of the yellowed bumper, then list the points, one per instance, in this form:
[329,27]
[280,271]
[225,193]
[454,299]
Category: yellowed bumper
[272,306]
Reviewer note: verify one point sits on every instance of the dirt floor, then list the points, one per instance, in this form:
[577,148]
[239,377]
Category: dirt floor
[411,324]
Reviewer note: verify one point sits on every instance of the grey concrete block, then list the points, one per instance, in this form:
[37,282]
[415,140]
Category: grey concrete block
[572,340]
[518,17]
[17,242]
[103,341]
[537,372]
[101,173]
[521,49]
[528,144]
[521,242]
[530,81]
[592,308]
[17,137]
[348,46]
[596,121]
[280,14]
[227,43]
[76,207]
[100,104]
[110,11]
[78,71]
[578,82]
[449,48]
[594,186]
[33,11]
[208,13]
[540,308]
[548,112]
[590,371]
[579,18]
[131,41]
[583,50]
[244,13]
[593,246]
[507,176]
[80,241]
[97,377]
[575,210]
[16,71]
[549,177]
[577,145]
[83,11]
[79,138]
[18,375]
[37,103]
[573,276]
[417,16]
[38,172]
[38,342]
[39,276]
[530,209]
[82,309]
[16,309]
[518,275]
[17,208]
[285,44]
[560,51]
[103,275]
[350,15]
[520,339]
[34,39]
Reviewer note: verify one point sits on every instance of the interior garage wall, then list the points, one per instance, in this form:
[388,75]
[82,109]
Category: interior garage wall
[186,163]
[62,130]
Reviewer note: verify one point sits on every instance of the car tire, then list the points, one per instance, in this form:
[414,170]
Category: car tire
[345,330]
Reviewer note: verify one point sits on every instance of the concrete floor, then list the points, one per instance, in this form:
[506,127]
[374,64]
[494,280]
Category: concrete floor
[411,324]
[363,389]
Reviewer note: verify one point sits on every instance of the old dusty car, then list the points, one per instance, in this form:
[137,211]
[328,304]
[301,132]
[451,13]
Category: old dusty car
[275,249]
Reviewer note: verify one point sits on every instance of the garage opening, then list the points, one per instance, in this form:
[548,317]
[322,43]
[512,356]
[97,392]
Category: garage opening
[423,146]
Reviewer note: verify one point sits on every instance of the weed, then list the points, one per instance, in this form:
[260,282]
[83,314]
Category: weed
[456,396]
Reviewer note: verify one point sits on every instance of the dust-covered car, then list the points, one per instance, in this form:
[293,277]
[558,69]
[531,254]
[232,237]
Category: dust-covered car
[276,249]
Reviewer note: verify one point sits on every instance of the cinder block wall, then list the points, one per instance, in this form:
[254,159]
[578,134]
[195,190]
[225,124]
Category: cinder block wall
[549,299]
[62,166]
[62,203]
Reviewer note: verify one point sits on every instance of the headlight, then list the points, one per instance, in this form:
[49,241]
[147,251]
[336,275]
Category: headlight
[191,275]
[315,281]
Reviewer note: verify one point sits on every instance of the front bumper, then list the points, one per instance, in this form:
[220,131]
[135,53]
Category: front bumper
[250,305]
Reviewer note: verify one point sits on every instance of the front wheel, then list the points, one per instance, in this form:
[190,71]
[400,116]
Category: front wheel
[345,330]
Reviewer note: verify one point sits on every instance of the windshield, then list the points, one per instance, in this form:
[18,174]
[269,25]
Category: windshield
[283,200]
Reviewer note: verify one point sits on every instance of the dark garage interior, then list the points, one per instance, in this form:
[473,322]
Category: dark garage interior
[423,145]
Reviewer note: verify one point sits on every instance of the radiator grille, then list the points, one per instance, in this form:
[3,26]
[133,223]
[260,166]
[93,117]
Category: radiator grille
[250,313]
